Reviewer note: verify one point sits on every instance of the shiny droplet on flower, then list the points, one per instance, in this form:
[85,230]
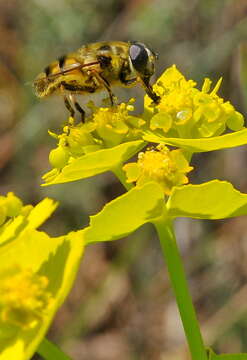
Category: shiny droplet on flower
[184,115]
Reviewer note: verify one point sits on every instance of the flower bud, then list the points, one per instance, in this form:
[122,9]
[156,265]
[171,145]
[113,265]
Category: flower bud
[13,205]
[59,157]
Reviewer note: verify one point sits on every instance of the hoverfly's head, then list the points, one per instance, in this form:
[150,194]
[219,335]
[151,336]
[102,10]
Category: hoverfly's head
[142,58]
[143,61]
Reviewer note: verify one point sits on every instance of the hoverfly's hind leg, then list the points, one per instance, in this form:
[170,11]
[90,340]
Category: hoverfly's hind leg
[78,107]
[71,111]
[69,106]
[67,103]
[72,101]
[81,111]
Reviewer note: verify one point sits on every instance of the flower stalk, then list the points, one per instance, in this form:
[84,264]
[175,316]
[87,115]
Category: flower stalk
[49,351]
[180,287]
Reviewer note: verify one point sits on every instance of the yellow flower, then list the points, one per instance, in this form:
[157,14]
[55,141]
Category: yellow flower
[23,297]
[166,167]
[187,112]
[105,127]
[114,125]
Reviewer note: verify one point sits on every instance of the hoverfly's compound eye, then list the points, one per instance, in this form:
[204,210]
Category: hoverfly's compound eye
[139,56]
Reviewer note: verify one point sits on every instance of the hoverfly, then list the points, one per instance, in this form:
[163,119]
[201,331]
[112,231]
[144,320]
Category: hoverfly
[95,67]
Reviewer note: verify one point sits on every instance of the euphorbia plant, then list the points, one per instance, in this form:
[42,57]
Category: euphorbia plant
[157,183]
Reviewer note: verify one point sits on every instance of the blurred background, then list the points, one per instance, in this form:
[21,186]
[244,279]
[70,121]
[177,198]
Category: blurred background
[121,306]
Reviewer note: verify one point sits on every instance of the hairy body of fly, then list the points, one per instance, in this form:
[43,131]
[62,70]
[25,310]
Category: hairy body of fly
[89,69]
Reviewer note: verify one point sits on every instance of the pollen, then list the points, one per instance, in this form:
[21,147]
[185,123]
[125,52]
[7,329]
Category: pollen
[168,168]
[24,298]
[185,111]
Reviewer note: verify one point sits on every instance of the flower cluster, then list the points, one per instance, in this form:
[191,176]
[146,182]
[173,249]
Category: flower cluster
[23,298]
[183,112]
[186,112]
[168,168]
[114,125]
[106,127]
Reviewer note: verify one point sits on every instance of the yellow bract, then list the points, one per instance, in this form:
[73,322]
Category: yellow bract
[166,167]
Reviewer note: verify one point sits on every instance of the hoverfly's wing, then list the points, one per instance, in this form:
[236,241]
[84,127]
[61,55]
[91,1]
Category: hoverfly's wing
[70,68]
[64,70]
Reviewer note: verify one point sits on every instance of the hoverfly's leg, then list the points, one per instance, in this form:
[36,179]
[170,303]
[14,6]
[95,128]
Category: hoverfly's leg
[66,102]
[78,107]
[149,90]
[106,85]
[108,89]
[68,106]
[72,113]
[81,111]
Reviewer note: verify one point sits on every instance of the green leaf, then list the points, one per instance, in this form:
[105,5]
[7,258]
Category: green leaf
[211,200]
[94,163]
[237,138]
[55,258]
[125,214]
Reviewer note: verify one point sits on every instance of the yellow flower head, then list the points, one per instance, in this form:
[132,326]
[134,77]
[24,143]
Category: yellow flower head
[114,125]
[166,167]
[185,111]
[23,298]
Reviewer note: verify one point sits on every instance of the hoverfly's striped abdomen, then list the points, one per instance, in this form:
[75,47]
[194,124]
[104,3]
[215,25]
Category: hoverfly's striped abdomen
[54,74]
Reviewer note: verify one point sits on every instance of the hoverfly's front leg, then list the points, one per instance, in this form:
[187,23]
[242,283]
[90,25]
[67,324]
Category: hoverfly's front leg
[149,89]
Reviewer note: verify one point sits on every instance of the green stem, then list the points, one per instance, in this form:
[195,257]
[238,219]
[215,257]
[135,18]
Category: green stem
[50,351]
[120,174]
[176,271]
